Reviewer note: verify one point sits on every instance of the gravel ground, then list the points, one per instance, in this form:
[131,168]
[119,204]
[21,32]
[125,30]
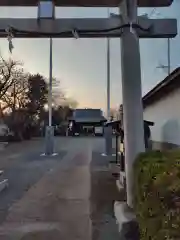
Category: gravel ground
[103,195]
[22,175]
[69,197]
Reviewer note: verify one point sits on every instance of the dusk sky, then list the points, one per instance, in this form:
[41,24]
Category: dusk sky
[81,64]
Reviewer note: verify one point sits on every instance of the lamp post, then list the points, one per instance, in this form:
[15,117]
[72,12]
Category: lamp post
[46,10]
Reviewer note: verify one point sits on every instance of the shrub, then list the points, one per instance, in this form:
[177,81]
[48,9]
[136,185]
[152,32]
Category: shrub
[157,195]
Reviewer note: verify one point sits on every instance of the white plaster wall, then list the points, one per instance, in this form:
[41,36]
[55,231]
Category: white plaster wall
[165,113]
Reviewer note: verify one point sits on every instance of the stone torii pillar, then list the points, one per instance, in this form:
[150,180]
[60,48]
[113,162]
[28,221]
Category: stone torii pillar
[132,94]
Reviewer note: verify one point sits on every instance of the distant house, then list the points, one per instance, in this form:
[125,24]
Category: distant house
[87,118]
[162,106]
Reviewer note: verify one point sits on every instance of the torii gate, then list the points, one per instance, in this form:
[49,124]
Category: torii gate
[127,26]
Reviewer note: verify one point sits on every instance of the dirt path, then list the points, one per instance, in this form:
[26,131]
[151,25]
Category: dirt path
[72,198]
[103,195]
[57,207]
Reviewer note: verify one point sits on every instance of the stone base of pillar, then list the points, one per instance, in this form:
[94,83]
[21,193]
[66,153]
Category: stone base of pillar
[49,141]
[126,221]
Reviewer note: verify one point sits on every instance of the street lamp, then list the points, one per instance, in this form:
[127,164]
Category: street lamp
[46,10]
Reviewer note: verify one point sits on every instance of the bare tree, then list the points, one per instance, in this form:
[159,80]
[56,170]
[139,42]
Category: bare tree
[16,95]
[10,71]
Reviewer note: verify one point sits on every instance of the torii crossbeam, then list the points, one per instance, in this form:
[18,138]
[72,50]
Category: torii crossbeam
[86,3]
[62,28]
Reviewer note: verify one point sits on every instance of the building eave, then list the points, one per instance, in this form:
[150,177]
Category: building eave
[163,88]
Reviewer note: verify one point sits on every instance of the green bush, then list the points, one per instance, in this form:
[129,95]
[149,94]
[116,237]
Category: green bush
[157,195]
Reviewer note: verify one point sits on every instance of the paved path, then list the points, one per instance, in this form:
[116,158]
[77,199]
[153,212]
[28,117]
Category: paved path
[66,197]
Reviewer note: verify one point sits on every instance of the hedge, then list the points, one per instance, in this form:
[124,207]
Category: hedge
[157,195]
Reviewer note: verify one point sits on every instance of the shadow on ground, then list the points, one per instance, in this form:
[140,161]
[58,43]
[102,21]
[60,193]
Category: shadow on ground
[29,170]
[103,195]
[22,176]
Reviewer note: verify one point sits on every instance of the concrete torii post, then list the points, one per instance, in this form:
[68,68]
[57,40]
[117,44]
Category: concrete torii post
[130,55]
[131,94]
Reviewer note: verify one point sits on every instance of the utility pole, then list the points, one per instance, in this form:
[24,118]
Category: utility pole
[50,82]
[108,77]
[49,150]
[169,54]
[168,67]
[108,129]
